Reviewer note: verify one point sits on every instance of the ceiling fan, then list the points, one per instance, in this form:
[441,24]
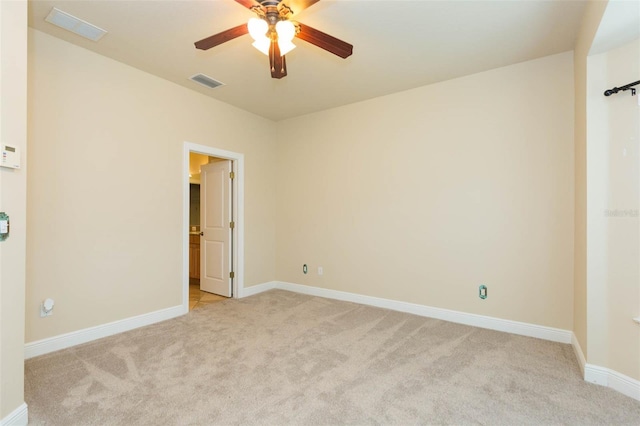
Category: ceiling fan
[273,32]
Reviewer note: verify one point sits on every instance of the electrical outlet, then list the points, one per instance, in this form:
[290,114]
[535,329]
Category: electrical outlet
[320,270]
[305,269]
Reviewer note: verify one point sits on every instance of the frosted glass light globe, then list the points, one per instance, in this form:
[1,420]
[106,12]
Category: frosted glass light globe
[258,29]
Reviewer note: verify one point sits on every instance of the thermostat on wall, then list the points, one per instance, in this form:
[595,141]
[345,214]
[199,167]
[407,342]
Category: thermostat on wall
[10,156]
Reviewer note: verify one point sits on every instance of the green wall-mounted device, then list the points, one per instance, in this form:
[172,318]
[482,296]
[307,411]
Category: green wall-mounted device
[4,226]
[482,292]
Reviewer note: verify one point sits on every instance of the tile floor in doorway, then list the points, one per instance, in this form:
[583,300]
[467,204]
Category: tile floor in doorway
[198,298]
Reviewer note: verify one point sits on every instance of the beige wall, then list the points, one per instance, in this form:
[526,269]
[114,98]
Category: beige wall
[613,134]
[590,22]
[419,196]
[13,130]
[106,145]
[424,195]
[607,270]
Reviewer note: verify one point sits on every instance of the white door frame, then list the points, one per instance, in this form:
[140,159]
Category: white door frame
[237,160]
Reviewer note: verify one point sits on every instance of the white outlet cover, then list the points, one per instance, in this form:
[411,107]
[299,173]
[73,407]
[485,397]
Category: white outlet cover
[320,270]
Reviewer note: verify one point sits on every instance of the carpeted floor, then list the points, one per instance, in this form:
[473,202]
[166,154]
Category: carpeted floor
[281,358]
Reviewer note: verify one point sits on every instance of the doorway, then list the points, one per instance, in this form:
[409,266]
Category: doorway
[210,236]
[191,231]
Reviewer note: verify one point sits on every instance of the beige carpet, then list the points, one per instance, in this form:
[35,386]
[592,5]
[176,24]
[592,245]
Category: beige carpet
[282,358]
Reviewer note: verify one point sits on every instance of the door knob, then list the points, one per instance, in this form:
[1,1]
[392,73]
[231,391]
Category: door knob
[202,234]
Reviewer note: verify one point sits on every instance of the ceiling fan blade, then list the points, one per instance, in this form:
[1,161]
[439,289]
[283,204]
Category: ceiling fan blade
[325,41]
[247,3]
[297,6]
[214,40]
[277,63]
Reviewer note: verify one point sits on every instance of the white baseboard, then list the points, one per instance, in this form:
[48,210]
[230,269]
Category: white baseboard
[592,373]
[259,288]
[605,377]
[611,378]
[74,338]
[508,326]
[18,417]
[67,340]
[596,374]
[624,384]
[577,349]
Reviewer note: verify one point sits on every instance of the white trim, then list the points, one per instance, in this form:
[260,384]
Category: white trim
[68,340]
[62,341]
[577,349]
[605,377]
[596,375]
[259,288]
[498,324]
[619,382]
[592,373]
[624,384]
[238,208]
[18,417]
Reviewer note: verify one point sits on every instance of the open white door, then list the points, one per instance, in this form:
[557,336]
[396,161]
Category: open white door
[216,228]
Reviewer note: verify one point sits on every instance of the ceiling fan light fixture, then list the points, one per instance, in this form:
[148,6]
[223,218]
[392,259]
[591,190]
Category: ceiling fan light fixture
[286,30]
[285,46]
[258,29]
[262,45]
[272,26]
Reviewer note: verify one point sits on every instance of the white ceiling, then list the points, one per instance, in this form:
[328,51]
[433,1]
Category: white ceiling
[620,25]
[398,45]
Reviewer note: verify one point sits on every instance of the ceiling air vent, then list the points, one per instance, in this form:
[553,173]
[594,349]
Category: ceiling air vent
[75,25]
[205,80]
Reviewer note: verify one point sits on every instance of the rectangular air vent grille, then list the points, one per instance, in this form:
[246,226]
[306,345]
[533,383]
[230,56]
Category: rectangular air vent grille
[75,25]
[205,80]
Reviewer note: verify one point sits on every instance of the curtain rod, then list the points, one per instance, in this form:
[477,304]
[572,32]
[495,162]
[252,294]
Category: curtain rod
[618,89]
